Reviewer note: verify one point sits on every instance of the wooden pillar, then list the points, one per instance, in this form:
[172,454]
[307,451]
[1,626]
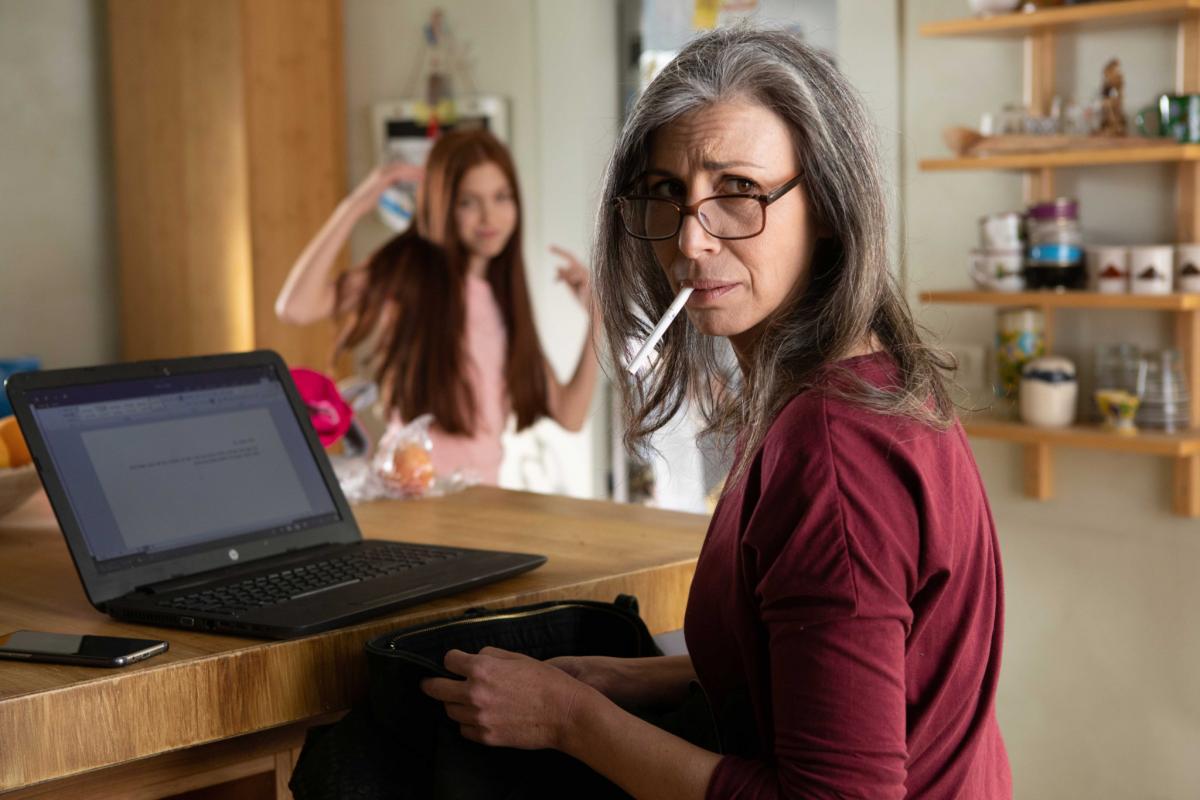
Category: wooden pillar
[1187,486]
[1039,471]
[228,138]
[1038,94]
[1038,461]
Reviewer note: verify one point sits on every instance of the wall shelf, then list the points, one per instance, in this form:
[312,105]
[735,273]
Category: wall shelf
[1040,30]
[1058,159]
[1092,15]
[1047,298]
[1087,437]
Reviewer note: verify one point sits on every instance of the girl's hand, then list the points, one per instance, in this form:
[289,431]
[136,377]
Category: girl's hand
[367,193]
[507,699]
[575,275]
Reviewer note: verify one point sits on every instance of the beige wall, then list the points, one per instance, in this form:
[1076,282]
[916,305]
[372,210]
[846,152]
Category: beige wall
[57,281]
[1099,696]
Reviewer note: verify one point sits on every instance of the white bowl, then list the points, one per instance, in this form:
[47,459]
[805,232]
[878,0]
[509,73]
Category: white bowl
[16,486]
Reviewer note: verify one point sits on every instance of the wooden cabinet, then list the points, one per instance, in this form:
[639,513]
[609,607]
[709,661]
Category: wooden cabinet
[1039,30]
[228,121]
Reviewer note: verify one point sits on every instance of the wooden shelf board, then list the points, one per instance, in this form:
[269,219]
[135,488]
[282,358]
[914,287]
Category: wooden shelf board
[1092,15]
[1049,298]
[1086,437]
[1090,157]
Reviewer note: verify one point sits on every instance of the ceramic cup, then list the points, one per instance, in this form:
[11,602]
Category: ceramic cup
[1151,268]
[1001,231]
[1119,408]
[998,270]
[1108,269]
[986,7]
[1048,392]
[1187,267]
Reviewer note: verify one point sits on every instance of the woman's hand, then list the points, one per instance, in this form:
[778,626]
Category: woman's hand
[365,195]
[507,699]
[602,673]
[575,275]
[632,682]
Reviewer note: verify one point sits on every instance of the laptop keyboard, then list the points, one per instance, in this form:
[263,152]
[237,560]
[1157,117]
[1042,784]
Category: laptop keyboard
[376,560]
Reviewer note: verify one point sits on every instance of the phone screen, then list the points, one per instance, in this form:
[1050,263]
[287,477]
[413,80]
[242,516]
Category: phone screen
[99,649]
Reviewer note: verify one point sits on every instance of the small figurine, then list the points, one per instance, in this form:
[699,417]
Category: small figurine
[1112,111]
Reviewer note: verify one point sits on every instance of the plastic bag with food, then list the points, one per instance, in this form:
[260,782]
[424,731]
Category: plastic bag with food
[404,458]
[401,468]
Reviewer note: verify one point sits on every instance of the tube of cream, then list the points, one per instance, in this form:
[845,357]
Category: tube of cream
[639,360]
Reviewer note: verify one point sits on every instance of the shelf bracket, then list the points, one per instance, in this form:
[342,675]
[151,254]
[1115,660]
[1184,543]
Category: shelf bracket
[1039,472]
[1187,486]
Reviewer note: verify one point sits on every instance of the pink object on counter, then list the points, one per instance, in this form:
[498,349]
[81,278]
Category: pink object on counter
[329,414]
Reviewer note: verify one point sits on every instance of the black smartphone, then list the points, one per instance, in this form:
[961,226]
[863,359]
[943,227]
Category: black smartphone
[67,648]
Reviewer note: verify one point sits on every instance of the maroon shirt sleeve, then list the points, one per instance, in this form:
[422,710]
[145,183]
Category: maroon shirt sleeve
[826,551]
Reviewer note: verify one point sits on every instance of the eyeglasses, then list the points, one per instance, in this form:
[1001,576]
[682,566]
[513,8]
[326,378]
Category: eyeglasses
[725,216]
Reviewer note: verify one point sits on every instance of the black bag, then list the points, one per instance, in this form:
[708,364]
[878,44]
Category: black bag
[402,745]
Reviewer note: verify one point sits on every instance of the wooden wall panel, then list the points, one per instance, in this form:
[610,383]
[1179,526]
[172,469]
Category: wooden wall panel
[295,129]
[228,138]
[180,177]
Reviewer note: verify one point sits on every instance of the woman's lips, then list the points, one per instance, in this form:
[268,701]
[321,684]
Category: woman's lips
[706,292]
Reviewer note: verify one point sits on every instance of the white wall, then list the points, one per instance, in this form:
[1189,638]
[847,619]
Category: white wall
[555,60]
[1099,695]
[57,277]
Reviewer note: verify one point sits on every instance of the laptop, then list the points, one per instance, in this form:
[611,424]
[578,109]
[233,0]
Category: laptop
[194,493]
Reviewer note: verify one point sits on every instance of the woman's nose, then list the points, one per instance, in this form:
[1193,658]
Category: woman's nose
[694,240]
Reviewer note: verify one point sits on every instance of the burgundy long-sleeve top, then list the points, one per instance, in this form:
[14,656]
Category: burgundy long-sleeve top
[850,586]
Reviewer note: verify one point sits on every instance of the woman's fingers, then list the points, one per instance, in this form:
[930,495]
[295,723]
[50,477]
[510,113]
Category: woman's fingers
[458,662]
[462,714]
[472,732]
[445,690]
[496,652]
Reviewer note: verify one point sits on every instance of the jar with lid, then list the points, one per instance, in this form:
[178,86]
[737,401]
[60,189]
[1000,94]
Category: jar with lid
[1020,337]
[1055,256]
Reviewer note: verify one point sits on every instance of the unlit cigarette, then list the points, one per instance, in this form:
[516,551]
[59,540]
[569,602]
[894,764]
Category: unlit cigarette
[643,353]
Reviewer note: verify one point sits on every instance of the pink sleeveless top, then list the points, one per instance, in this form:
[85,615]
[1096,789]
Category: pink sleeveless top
[486,348]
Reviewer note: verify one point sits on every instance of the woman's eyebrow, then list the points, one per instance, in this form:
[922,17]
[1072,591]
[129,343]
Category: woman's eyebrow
[718,166]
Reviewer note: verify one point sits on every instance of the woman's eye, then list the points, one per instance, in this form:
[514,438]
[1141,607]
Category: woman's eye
[740,186]
[673,189]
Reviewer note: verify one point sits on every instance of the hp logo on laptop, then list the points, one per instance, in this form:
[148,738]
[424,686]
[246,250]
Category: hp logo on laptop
[233,555]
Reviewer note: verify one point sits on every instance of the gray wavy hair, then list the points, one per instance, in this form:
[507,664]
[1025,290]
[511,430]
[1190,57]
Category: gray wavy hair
[851,293]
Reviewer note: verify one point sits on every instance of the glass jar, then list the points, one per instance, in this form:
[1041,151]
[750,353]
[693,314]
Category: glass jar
[1165,395]
[1117,366]
[1055,255]
[1020,338]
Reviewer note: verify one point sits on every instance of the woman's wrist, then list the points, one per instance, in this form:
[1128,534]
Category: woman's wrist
[584,712]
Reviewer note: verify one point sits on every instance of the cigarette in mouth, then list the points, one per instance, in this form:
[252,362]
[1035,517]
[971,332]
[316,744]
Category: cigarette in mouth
[639,360]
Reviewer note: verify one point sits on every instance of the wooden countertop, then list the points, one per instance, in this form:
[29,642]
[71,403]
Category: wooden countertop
[58,720]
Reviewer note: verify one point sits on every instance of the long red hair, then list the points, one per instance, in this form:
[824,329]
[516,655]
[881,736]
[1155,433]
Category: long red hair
[419,278]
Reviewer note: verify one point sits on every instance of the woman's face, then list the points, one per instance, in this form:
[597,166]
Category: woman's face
[732,147]
[485,211]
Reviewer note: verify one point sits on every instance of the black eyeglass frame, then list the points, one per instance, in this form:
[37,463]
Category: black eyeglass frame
[693,210]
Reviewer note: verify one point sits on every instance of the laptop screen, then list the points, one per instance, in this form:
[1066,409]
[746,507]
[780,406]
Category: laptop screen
[158,467]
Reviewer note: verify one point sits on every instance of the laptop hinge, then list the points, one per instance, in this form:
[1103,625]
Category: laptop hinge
[231,572]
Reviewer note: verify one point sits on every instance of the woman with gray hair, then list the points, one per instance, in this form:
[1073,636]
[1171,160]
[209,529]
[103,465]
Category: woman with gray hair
[846,615]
